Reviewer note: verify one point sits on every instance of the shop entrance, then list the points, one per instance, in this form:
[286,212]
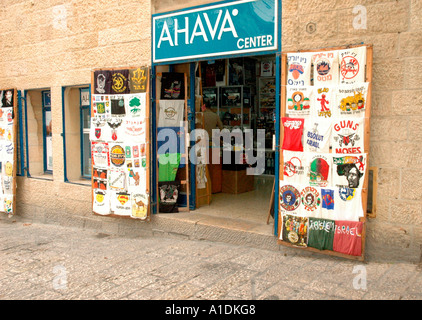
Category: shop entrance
[237,97]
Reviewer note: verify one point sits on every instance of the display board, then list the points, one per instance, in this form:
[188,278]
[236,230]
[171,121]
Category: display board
[8,155]
[120,142]
[324,141]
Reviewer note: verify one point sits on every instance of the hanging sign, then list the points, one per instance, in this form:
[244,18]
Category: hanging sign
[223,29]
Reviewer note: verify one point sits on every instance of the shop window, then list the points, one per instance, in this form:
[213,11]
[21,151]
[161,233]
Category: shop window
[38,133]
[76,127]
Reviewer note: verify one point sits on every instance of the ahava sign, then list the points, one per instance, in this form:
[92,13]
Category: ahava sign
[223,29]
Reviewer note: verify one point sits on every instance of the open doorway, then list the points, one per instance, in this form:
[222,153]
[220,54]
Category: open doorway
[241,94]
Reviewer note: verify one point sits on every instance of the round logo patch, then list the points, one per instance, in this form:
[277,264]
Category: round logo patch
[349,67]
[290,198]
[346,194]
[311,199]
[117,156]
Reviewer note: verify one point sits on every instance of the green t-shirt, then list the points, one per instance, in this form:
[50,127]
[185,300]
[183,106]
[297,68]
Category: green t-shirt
[167,166]
[321,233]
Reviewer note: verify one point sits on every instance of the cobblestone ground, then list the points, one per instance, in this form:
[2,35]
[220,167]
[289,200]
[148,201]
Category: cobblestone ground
[43,261]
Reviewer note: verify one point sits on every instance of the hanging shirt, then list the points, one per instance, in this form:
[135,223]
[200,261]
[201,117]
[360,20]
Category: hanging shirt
[299,101]
[139,205]
[101,203]
[172,86]
[311,201]
[102,82]
[321,234]
[138,80]
[135,105]
[325,68]
[349,171]
[295,169]
[171,113]
[348,204]
[167,166]
[317,135]
[168,196]
[293,130]
[348,135]
[290,199]
[348,238]
[328,205]
[120,203]
[352,65]
[120,81]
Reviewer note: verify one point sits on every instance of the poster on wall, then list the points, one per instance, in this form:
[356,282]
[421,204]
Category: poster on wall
[120,143]
[8,158]
[324,156]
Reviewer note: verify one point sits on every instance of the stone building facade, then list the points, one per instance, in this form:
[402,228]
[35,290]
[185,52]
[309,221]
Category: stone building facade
[55,44]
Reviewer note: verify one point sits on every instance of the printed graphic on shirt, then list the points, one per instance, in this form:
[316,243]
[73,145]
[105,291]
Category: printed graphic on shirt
[351,99]
[120,81]
[135,105]
[117,179]
[349,171]
[324,101]
[117,103]
[311,201]
[295,230]
[100,154]
[172,86]
[101,106]
[321,234]
[348,135]
[327,196]
[102,82]
[317,135]
[293,130]
[139,206]
[299,69]
[116,130]
[101,201]
[99,178]
[6,116]
[299,101]
[117,155]
[289,198]
[138,80]
[135,129]
[325,68]
[120,203]
[352,65]
[294,167]
[348,237]
[320,169]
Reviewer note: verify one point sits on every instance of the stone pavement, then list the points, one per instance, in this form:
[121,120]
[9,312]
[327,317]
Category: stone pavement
[51,262]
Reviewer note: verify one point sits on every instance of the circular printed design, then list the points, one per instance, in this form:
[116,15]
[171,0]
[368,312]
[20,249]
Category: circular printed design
[290,198]
[346,194]
[291,167]
[117,156]
[311,199]
[118,82]
[293,237]
[323,67]
[349,67]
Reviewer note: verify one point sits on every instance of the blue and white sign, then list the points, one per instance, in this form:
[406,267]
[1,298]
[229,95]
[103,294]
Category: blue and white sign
[216,30]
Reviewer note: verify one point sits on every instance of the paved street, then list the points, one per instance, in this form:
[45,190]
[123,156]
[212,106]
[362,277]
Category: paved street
[43,261]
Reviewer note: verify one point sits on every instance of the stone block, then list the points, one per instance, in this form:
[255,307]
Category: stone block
[406,212]
[407,102]
[388,129]
[389,184]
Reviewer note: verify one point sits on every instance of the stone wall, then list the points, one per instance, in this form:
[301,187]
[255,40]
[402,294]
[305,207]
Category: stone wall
[50,44]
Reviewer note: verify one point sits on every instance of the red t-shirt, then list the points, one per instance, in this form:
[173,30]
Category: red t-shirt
[348,237]
[293,130]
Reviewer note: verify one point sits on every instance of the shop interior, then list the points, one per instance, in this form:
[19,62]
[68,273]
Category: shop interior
[241,91]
